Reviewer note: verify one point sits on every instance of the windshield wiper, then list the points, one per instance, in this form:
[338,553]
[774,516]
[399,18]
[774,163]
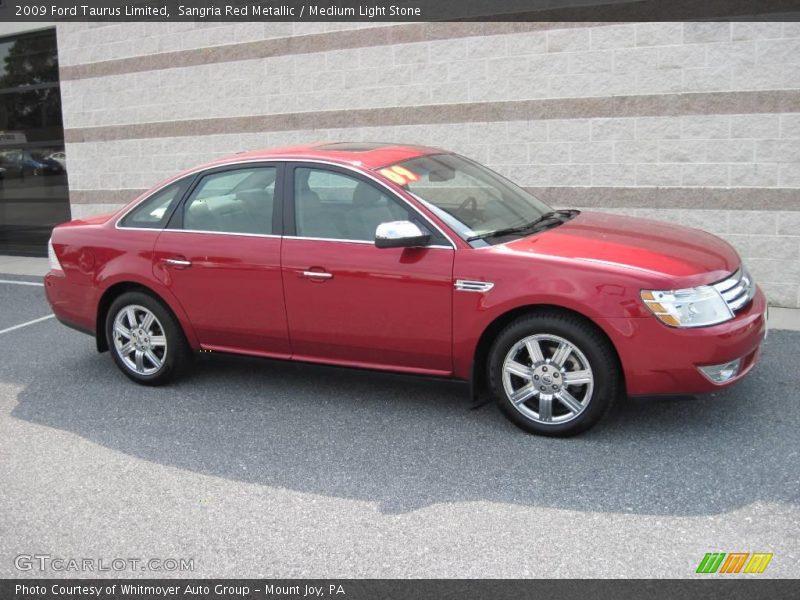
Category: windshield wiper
[560,216]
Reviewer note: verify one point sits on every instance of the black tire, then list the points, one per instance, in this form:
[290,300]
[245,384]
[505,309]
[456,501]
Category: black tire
[177,354]
[595,349]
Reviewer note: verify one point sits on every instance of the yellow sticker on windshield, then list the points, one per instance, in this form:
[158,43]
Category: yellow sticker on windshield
[410,176]
[399,175]
[393,176]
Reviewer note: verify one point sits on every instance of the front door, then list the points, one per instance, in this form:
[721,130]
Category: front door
[349,302]
[220,256]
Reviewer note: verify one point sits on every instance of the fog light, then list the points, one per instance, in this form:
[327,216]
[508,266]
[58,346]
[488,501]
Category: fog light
[721,373]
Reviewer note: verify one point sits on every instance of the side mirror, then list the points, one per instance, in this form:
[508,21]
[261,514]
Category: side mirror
[400,234]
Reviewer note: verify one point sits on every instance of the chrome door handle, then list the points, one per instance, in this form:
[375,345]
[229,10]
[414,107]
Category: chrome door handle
[178,262]
[317,274]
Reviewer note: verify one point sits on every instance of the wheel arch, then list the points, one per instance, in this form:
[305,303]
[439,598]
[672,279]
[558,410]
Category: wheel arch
[113,292]
[478,379]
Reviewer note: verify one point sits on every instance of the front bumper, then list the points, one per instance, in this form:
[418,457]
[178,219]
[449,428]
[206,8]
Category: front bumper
[658,359]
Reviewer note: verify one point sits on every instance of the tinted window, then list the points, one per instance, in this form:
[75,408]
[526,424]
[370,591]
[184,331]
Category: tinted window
[332,205]
[238,201]
[154,212]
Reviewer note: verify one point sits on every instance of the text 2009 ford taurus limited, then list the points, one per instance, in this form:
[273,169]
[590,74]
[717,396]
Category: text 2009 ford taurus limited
[414,260]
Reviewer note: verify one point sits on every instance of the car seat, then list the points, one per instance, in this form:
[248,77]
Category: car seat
[370,209]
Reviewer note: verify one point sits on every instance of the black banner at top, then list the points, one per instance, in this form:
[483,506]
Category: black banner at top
[398,10]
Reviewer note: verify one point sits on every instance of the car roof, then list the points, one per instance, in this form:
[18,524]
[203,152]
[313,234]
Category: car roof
[366,155]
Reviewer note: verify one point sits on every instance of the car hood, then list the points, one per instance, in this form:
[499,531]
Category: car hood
[684,256]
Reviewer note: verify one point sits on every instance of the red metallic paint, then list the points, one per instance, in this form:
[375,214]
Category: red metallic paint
[382,307]
[396,309]
[658,359]
[122,256]
[232,293]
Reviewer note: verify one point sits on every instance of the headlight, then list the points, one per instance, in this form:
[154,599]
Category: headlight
[693,307]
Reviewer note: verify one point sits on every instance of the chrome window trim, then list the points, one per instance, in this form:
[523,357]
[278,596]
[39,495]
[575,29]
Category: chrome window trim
[367,242]
[261,235]
[365,173]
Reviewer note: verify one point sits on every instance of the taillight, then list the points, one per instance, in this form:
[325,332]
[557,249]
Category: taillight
[51,255]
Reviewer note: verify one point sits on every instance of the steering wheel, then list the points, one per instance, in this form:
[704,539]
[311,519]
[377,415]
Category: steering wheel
[470,204]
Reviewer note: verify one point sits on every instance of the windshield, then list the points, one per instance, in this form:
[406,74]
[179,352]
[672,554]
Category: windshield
[470,198]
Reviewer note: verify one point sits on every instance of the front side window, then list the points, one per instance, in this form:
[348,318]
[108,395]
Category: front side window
[473,200]
[154,212]
[332,205]
[236,201]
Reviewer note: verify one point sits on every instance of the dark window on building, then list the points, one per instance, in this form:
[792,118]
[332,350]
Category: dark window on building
[33,166]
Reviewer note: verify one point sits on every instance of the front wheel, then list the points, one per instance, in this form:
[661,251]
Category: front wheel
[553,374]
[145,340]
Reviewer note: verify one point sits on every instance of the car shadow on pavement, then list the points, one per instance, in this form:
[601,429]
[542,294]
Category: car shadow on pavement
[407,443]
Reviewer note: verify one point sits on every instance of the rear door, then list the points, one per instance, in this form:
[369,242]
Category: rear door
[220,256]
[349,302]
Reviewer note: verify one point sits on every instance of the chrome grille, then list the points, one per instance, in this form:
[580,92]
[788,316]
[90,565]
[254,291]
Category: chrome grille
[737,290]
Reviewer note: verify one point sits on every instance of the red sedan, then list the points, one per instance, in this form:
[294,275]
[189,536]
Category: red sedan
[414,260]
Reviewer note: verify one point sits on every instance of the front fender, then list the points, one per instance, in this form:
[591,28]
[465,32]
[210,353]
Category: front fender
[533,283]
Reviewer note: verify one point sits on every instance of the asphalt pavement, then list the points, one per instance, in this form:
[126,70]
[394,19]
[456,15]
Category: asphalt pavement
[266,469]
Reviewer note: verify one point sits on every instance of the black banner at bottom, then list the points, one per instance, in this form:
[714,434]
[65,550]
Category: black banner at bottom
[394,589]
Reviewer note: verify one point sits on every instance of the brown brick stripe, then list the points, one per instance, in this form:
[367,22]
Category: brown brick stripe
[305,44]
[597,197]
[706,198]
[541,19]
[710,103]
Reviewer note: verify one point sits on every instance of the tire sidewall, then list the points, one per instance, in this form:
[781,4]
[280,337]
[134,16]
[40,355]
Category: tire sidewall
[175,340]
[589,342]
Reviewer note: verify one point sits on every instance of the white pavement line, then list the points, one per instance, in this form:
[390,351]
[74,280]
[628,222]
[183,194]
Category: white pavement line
[21,325]
[21,282]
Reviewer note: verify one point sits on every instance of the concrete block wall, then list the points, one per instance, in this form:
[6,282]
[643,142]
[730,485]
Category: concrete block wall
[697,123]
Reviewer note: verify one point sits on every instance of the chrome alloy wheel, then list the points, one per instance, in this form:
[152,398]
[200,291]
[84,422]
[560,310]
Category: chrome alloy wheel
[139,340]
[547,379]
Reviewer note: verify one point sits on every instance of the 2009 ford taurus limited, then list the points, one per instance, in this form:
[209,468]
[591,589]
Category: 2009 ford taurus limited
[414,260]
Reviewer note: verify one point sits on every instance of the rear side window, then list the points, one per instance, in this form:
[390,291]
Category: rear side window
[237,201]
[154,212]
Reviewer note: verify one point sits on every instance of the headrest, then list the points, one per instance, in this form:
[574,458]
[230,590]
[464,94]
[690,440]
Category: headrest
[366,195]
[301,179]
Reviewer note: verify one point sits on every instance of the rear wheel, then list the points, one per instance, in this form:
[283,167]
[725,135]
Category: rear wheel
[553,374]
[145,340]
